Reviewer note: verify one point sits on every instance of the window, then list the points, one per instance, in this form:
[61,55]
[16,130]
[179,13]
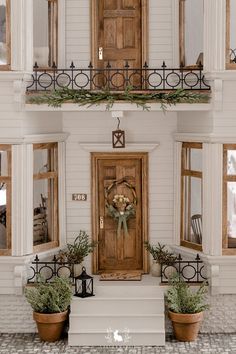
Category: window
[45,197]
[230,34]
[45,16]
[5,199]
[191,32]
[5,35]
[191,195]
[229,199]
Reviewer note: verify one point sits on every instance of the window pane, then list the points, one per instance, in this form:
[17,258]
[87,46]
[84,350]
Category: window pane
[45,32]
[3,163]
[231,162]
[192,159]
[3,216]
[45,227]
[192,209]
[45,160]
[193,31]
[231,214]
[232,43]
[3,37]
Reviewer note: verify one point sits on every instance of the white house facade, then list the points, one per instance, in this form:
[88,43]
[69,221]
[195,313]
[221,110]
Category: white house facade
[182,162]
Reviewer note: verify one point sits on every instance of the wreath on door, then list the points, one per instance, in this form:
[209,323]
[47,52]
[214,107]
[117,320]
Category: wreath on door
[121,208]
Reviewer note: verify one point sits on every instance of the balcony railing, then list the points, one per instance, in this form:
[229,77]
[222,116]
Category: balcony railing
[118,79]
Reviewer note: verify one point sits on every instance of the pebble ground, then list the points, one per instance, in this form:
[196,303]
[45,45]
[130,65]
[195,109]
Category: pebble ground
[31,344]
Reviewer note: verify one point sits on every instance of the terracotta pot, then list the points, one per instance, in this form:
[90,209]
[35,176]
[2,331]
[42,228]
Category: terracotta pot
[156,269]
[186,326]
[50,325]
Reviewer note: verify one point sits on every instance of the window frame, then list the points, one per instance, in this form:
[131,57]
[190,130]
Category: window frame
[7,67]
[182,61]
[52,175]
[226,178]
[8,181]
[53,13]
[187,173]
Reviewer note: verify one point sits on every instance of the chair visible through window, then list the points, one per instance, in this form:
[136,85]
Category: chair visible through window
[196,224]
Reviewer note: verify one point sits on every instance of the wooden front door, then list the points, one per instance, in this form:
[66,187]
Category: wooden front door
[119,248]
[118,37]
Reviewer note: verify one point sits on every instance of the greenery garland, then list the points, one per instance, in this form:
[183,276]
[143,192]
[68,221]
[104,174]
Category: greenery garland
[121,209]
[56,98]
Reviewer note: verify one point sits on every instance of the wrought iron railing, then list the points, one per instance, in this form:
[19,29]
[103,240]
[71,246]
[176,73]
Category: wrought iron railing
[190,271]
[118,79]
[49,269]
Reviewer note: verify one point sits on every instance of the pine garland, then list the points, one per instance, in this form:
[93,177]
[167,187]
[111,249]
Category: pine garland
[85,97]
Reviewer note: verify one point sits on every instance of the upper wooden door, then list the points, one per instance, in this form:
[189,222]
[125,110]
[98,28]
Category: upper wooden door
[117,173]
[119,31]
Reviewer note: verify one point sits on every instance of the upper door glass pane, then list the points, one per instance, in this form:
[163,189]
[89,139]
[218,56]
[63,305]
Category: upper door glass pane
[45,160]
[232,30]
[193,159]
[3,37]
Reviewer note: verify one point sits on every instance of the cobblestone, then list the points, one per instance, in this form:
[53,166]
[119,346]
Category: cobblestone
[31,344]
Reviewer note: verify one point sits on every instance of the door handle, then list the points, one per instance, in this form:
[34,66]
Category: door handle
[101,222]
[100,53]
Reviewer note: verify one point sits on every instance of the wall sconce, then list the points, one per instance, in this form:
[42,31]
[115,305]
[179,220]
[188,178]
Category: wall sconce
[118,137]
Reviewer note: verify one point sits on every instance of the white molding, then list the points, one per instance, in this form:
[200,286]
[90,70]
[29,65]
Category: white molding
[153,107]
[6,76]
[212,198]
[226,75]
[62,193]
[214,35]
[61,33]
[177,192]
[22,199]
[45,138]
[175,32]
[205,138]
[129,147]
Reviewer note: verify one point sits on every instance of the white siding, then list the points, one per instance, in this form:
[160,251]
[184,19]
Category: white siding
[140,127]
[78,32]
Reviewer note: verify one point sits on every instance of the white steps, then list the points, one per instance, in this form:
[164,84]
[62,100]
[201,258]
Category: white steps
[134,309]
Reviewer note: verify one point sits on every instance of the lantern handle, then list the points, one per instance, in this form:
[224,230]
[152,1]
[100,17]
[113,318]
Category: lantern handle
[83,269]
[118,125]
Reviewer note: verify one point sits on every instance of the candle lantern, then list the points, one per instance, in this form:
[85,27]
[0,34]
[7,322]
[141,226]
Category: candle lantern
[84,285]
[118,137]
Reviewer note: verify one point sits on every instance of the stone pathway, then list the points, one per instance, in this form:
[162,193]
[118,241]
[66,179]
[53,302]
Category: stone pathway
[31,344]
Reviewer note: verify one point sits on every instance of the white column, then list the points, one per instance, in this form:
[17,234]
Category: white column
[214,35]
[22,35]
[212,198]
[22,199]
[177,192]
[62,193]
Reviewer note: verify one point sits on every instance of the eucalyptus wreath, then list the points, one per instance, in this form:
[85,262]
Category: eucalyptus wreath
[121,208]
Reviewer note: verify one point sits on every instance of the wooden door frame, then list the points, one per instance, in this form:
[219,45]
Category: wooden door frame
[94,31]
[95,157]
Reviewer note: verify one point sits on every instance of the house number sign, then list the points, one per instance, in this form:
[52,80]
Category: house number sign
[79,197]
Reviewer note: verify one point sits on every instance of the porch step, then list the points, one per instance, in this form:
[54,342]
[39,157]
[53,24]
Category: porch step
[120,313]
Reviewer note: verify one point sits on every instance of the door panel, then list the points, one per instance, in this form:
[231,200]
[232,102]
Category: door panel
[119,251]
[117,30]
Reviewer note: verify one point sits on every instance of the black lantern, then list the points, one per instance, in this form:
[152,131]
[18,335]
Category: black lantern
[84,285]
[118,137]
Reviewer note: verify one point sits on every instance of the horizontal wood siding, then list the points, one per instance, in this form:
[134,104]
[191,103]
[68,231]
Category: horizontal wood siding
[78,32]
[140,127]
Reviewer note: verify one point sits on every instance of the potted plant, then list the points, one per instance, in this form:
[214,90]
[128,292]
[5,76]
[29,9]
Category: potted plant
[75,252]
[160,256]
[50,302]
[186,307]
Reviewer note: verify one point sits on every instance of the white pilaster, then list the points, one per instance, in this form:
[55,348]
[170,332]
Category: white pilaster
[212,199]
[62,193]
[177,192]
[175,32]
[22,35]
[214,35]
[22,199]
